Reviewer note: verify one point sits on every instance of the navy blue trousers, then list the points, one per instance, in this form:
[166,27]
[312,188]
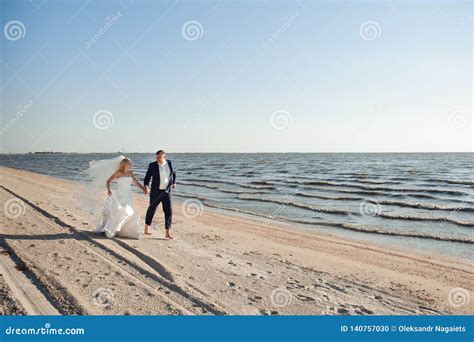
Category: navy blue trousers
[156,198]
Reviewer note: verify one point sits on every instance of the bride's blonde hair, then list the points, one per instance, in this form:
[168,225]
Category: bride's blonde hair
[124,162]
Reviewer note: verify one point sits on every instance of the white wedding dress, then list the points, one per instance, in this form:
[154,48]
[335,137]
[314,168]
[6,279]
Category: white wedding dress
[118,214]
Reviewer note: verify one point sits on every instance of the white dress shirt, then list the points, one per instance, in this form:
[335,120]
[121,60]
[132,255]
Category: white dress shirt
[165,173]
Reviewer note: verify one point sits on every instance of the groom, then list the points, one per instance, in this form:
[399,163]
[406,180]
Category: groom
[164,179]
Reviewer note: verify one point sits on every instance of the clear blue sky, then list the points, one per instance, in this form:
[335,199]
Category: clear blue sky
[408,89]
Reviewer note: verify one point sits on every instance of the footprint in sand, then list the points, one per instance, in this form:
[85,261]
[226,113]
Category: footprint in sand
[293,283]
[266,312]
[305,298]
[337,288]
[363,311]
[342,311]
[255,298]
[321,286]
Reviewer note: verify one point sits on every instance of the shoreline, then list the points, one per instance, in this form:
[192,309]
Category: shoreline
[406,241]
[364,236]
[219,264]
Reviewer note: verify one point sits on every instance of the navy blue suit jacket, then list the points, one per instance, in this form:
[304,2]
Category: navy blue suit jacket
[154,172]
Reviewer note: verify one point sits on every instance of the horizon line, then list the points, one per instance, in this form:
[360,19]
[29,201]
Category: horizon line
[229,152]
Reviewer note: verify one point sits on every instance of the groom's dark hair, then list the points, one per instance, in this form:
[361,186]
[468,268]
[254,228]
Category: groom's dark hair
[160,152]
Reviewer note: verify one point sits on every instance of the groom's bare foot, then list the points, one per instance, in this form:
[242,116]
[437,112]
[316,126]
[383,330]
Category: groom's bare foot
[147,230]
[168,234]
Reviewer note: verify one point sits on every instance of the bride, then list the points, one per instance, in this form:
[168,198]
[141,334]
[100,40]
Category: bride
[118,216]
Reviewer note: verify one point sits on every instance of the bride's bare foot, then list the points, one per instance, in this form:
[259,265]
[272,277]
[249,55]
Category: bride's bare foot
[168,234]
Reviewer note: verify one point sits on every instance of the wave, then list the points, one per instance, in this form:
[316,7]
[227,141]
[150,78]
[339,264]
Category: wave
[451,181]
[378,188]
[370,181]
[238,192]
[352,227]
[257,187]
[382,231]
[337,198]
[246,186]
[297,205]
[206,180]
[262,183]
[246,174]
[426,206]
[393,195]
[216,187]
[204,185]
[187,196]
[441,220]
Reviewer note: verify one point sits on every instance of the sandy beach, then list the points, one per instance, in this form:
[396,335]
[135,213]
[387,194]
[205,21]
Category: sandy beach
[218,264]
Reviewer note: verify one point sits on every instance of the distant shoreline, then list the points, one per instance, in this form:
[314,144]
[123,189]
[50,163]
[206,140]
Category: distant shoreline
[152,152]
